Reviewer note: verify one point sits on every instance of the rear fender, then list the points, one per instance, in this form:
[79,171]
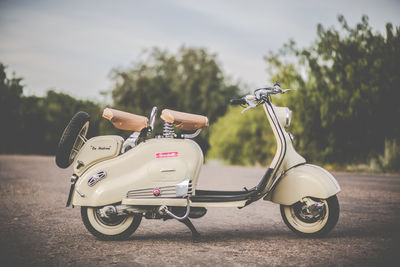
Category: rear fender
[304,181]
[156,163]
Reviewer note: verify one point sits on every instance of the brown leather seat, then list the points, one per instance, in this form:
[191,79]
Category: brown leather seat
[184,121]
[124,120]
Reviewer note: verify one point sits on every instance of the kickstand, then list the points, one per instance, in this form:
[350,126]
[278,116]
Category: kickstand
[195,234]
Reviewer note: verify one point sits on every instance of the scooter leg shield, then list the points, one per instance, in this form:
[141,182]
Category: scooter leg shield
[304,181]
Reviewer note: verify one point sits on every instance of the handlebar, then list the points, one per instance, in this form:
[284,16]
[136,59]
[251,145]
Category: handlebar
[240,101]
[261,93]
[258,97]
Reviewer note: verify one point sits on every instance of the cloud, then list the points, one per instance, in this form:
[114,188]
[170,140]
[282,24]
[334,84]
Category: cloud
[73,45]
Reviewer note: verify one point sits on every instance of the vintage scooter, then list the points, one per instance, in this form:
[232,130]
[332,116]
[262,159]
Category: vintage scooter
[116,182]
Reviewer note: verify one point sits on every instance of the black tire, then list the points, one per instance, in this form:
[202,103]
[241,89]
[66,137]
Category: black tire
[316,227]
[69,141]
[119,228]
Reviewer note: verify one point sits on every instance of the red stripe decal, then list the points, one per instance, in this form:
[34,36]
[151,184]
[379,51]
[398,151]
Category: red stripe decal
[166,155]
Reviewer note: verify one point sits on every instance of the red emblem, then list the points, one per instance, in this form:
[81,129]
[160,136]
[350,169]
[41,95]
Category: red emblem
[156,192]
[167,155]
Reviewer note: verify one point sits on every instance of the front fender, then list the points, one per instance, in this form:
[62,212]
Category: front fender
[304,181]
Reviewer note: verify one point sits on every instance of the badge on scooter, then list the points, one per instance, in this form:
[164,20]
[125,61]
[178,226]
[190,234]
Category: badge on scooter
[156,192]
[96,178]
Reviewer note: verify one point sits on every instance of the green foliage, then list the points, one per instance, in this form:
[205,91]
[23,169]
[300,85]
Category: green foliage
[35,124]
[242,139]
[389,161]
[56,110]
[10,100]
[190,81]
[346,102]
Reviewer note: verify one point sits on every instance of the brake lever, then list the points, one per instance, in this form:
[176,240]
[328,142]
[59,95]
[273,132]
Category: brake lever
[250,105]
[277,89]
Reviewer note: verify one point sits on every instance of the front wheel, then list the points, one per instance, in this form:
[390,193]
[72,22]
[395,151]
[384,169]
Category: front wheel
[311,217]
[113,228]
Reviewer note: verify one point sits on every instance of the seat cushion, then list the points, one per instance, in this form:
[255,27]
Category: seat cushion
[184,121]
[125,120]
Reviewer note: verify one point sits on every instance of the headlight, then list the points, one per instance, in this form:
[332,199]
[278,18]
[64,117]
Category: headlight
[288,117]
[284,115]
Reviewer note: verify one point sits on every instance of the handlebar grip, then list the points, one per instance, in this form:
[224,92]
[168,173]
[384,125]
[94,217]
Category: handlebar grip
[240,101]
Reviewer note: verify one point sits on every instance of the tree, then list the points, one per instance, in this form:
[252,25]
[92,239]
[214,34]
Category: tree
[10,99]
[344,103]
[55,110]
[190,81]
[34,124]
[348,93]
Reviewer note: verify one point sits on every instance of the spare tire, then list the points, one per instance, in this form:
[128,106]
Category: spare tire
[72,139]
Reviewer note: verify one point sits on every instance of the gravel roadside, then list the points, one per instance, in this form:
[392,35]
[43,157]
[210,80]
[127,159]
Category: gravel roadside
[37,229]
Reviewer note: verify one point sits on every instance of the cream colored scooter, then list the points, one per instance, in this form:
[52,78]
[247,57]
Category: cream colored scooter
[116,182]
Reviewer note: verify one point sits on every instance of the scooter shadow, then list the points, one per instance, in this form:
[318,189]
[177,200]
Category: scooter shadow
[218,236]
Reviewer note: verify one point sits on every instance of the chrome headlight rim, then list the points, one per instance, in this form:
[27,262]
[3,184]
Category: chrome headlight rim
[288,117]
[291,137]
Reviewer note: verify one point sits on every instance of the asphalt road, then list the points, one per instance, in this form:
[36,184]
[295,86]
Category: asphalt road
[37,230]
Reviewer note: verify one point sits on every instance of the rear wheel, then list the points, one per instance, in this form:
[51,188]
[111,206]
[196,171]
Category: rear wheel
[112,228]
[72,139]
[312,217]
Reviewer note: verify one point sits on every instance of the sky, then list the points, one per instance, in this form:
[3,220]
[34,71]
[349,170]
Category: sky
[71,46]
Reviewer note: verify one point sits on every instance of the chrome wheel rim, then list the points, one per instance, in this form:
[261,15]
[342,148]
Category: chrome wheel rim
[111,221]
[303,220]
[79,142]
[112,226]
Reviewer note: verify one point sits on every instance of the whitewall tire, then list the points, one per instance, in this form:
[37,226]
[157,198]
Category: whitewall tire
[114,228]
[298,218]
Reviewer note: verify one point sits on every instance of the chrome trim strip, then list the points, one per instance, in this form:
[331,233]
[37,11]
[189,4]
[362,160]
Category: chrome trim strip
[151,189]
[167,170]
[182,189]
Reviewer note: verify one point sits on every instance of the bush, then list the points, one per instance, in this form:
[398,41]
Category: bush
[242,139]
[390,160]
